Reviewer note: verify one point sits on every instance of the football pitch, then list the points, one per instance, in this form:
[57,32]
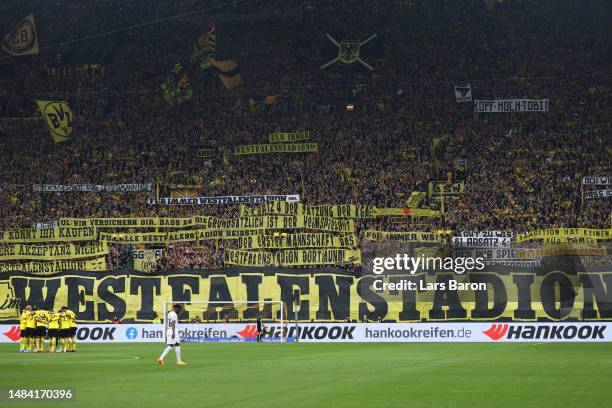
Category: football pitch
[319,375]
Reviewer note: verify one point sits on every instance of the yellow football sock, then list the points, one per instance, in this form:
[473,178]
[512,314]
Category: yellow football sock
[66,344]
[23,344]
[73,343]
[30,343]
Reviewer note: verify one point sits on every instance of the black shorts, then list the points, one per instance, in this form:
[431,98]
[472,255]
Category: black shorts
[22,333]
[30,332]
[41,331]
[72,331]
[53,332]
[64,333]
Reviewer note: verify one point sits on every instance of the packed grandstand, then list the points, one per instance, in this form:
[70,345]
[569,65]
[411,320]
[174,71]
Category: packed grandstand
[160,115]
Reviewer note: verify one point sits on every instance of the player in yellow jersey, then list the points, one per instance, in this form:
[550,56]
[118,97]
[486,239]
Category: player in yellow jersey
[41,329]
[30,329]
[64,331]
[72,330]
[54,322]
[23,320]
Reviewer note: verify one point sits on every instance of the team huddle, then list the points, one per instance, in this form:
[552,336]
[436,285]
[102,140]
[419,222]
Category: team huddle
[36,324]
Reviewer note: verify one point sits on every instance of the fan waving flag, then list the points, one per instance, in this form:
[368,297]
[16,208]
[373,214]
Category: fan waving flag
[58,117]
[22,40]
[205,45]
[176,89]
[228,72]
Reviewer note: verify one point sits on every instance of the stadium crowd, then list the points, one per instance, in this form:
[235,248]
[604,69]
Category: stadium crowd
[523,170]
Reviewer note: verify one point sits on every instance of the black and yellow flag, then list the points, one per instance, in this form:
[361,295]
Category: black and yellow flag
[58,117]
[346,174]
[228,72]
[22,40]
[262,103]
[415,199]
[205,45]
[438,149]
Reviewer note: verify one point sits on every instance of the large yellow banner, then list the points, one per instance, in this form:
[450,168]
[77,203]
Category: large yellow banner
[51,252]
[334,210]
[404,236]
[323,296]
[300,240]
[331,211]
[278,137]
[135,238]
[256,222]
[292,257]
[277,148]
[51,267]
[100,223]
[58,234]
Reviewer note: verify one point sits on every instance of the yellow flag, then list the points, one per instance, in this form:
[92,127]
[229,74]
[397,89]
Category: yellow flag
[22,40]
[58,116]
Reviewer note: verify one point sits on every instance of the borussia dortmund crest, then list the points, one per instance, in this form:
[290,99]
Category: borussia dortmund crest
[22,40]
[58,117]
[349,52]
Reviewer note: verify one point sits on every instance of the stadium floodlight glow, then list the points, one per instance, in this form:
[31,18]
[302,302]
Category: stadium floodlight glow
[231,321]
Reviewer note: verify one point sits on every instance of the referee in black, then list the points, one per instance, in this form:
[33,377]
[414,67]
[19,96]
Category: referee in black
[260,328]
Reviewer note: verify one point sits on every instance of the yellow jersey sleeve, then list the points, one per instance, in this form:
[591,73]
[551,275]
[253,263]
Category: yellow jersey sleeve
[23,320]
[71,318]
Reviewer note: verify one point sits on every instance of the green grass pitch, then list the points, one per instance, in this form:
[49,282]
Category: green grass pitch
[319,375]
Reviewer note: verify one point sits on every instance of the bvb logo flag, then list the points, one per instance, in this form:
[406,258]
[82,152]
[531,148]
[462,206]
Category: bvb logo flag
[22,40]
[415,199]
[349,52]
[58,116]
[463,93]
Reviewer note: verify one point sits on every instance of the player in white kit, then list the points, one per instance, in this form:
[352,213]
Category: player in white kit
[173,338]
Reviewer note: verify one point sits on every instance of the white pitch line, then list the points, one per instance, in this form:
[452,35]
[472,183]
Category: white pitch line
[71,361]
